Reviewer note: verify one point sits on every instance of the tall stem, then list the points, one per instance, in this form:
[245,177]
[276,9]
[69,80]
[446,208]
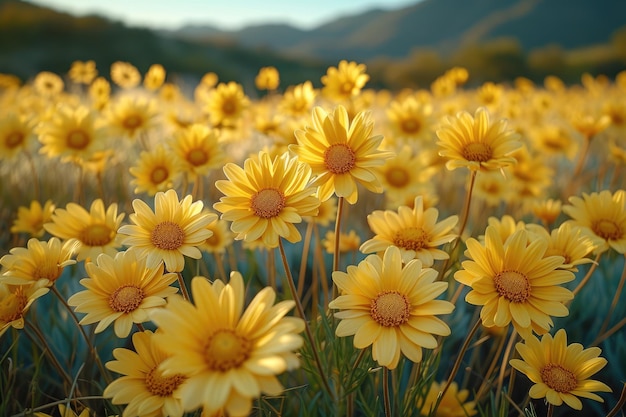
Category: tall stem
[307,328]
[618,292]
[386,400]
[337,241]
[593,267]
[503,366]
[183,286]
[48,352]
[305,256]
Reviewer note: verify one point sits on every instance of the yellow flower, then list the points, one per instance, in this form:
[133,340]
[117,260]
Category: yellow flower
[174,229]
[415,232]
[567,241]
[121,290]
[326,213]
[475,142]
[96,229]
[265,198]
[411,119]
[83,72]
[48,84]
[453,404]
[66,412]
[15,135]
[226,104]
[155,171]
[267,79]
[154,77]
[31,219]
[560,372]
[344,81]
[348,242]
[230,354]
[341,153]
[198,148]
[125,74]
[390,306]
[71,134]
[15,300]
[40,262]
[515,282]
[602,217]
[547,210]
[132,116]
[143,387]
[504,227]
[220,239]
[298,101]
[100,92]
[493,188]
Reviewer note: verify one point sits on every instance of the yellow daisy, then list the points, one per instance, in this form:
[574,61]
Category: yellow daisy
[15,135]
[266,197]
[40,262]
[298,100]
[121,290]
[83,72]
[220,239]
[344,81]
[226,104]
[48,84]
[199,149]
[154,77]
[415,232]
[341,153]
[66,412]
[453,403]
[560,372]
[230,354]
[71,134]
[410,119]
[170,232]
[268,78]
[602,217]
[348,242]
[132,116]
[504,227]
[31,219]
[391,306]
[567,241]
[143,387]
[15,301]
[100,92]
[547,210]
[96,229]
[326,213]
[155,170]
[125,74]
[515,282]
[475,142]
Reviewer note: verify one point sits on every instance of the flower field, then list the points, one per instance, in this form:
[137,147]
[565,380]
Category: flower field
[207,249]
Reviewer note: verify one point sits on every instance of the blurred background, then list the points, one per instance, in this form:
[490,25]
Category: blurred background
[403,43]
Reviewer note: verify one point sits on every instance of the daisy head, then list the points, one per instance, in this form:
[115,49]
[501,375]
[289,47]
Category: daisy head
[15,301]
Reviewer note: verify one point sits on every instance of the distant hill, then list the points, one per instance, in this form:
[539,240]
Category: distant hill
[441,24]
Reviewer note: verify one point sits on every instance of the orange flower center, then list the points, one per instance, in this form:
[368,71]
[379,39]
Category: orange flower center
[158,175]
[47,270]
[410,125]
[226,350]
[13,140]
[77,139]
[268,203]
[229,107]
[12,307]
[478,152]
[132,122]
[512,285]
[347,87]
[126,299]
[167,236]
[558,378]
[411,238]
[607,229]
[339,158]
[197,157]
[160,385]
[390,309]
[96,235]
[397,177]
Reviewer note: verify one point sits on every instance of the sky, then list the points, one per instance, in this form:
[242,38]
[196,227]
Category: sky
[225,14]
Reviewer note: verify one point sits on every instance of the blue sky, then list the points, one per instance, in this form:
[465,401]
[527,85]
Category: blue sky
[226,14]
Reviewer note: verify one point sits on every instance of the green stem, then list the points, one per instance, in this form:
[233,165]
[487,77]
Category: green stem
[618,292]
[593,267]
[48,352]
[183,286]
[386,399]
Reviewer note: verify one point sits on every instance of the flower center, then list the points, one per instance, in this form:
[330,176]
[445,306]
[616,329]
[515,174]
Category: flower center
[12,307]
[229,107]
[347,87]
[410,125]
[167,236]
[411,238]
[158,175]
[558,378]
[13,140]
[126,299]
[96,235]
[160,385]
[197,157]
[47,270]
[268,203]
[77,139]
[339,158]
[476,151]
[226,349]
[397,177]
[132,122]
[512,285]
[390,309]
[607,229]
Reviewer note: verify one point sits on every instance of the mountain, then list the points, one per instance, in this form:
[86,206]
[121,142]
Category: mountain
[445,25]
